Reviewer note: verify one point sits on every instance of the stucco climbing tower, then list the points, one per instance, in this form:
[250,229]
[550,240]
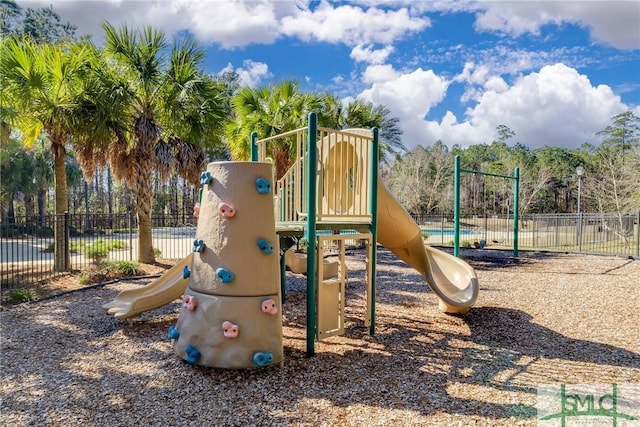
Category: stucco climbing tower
[231,316]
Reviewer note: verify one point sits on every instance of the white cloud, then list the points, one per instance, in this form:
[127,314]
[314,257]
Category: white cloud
[233,24]
[409,96]
[610,22]
[370,55]
[251,73]
[496,84]
[239,23]
[351,25]
[472,73]
[242,22]
[554,106]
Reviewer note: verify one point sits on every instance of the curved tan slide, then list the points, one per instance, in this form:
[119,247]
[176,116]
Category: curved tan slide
[166,288]
[451,279]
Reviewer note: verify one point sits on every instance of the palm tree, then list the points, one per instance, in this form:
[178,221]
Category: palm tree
[147,111]
[363,114]
[332,112]
[43,81]
[269,111]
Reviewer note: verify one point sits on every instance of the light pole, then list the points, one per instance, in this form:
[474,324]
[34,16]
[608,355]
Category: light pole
[579,172]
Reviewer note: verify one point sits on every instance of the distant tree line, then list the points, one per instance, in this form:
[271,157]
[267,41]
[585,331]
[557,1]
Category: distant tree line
[422,179]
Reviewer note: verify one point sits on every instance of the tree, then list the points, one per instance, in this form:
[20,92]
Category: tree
[624,132]
[17,164]
[332,112]
[363,114]
[147,107]
[10,18]
[269,111]
[43,82]
[612,176]
[42,25]
[420,178]
[561,164]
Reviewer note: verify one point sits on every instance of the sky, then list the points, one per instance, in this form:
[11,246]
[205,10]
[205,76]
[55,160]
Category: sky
[554,72]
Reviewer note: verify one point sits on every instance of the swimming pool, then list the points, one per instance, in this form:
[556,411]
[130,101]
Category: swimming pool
[445,232]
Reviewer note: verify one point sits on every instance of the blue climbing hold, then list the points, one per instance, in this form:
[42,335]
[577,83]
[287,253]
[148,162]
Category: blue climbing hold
[186,272]
[198,245]
[193,355]
[263,186]
[262,359]
[174,333]
[205,178]
[225,275]
[265,247]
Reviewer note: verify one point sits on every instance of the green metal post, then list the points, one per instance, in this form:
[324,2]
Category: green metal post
[456,206]
[373,210]
[516,209]
[254,146]
[312,171]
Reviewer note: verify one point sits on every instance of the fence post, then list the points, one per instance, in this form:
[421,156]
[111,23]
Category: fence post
[456,206]
[638,235]
[516,209]
[254,146]
[67,245]
[129,224]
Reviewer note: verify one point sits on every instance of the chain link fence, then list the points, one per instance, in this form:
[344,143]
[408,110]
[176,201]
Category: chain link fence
[594,233]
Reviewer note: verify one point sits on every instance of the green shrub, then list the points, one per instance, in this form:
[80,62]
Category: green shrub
[83,279]
[23,295]
[129,268]
[98,251]
[463,243]
[157,252]
[118,244]
[74,246]
[425,234]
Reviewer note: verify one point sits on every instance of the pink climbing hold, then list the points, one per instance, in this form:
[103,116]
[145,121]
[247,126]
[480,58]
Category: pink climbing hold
[196,210]
[229,329]
[226,210]
[189,302]
[269,306]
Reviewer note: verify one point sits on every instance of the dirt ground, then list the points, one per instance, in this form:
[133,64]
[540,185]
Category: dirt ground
[542,318]
[69,282]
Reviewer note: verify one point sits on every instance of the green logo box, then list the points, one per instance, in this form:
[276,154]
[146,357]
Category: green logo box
[594,405]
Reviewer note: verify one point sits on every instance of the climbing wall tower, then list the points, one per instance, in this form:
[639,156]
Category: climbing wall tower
[231,312]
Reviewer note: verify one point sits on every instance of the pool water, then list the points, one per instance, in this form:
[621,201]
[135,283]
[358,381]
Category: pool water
[445,232]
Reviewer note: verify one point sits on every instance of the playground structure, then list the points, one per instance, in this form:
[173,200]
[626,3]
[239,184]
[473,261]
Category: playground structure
[331,193]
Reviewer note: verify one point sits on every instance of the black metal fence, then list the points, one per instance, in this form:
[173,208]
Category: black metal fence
[595,233]
[27,249]
[26,244]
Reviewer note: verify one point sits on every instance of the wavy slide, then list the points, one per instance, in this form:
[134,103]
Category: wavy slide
[450,278]
[168,287]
